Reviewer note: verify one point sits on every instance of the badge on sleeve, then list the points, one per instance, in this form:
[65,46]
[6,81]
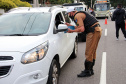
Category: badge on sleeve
[75,20]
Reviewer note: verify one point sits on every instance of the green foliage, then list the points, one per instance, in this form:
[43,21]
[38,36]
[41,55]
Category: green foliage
[9,4]
[21,4]
[113,2]
[60,1]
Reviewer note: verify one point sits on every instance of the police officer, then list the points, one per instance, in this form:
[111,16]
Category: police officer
[119,16]
[86,23]
[92,11]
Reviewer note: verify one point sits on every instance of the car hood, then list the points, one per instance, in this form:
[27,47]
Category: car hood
[20,43]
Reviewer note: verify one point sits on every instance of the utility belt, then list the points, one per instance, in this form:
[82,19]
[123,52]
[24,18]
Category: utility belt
[91,29]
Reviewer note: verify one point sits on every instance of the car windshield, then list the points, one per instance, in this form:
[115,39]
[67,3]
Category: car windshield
[24,24]
[102,7]
[79,8]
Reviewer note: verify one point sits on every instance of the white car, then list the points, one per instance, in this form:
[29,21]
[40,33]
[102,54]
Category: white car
[111,12]
[33,45]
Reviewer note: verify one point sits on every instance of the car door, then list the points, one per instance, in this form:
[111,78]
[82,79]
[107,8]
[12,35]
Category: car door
[62,39]
[71,36]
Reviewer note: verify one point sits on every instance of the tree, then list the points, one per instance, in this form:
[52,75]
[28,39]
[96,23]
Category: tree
[9,4]
[61,1]
[88,2]
[113,2]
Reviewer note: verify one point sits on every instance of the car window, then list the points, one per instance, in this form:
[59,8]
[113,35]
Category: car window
[67,19]
[79,8]
[58,19]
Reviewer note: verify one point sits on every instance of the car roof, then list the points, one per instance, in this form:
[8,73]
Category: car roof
[36,9]
[72,4]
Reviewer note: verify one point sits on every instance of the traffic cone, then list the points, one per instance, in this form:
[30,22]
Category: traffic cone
[105,20]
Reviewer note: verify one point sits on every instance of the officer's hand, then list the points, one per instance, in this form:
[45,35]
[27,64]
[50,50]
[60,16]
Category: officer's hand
[69,31]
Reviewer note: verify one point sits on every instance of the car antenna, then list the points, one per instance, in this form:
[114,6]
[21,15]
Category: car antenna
[29,9]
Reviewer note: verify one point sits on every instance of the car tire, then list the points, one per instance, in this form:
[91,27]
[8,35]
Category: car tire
[54,73]
[75,50]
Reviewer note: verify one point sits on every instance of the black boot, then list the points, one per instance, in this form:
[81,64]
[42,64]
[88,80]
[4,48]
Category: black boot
[92,71]
[87,71]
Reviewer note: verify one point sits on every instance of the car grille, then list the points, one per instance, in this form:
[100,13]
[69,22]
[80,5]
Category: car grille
[101,15]
[4,70]
[6,58]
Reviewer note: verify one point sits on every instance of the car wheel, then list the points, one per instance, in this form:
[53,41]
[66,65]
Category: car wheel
[53,73]
[75,50]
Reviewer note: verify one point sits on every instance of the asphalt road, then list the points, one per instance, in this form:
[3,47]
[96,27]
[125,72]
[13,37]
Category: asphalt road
[110,67]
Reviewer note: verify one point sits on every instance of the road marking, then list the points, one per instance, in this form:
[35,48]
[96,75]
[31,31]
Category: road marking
[103,69]
[105,32]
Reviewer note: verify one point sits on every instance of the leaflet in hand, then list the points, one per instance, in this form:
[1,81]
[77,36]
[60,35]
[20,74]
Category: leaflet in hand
[70,27]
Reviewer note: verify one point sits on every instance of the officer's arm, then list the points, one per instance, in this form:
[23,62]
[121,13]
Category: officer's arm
[80,29]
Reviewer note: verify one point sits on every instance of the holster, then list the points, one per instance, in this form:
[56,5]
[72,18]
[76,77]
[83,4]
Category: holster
[91,29]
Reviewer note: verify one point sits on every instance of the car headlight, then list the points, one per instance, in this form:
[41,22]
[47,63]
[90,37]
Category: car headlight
[35,54]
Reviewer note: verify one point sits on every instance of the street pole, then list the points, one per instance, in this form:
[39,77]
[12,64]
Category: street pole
[91,3]
[78,1]
[35,3]
[75,1]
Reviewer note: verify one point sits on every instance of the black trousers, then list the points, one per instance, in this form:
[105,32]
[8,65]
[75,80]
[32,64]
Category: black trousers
[122,26]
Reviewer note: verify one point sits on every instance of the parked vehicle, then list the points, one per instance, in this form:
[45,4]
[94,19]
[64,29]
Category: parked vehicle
[101,8]
[111,11]
[34,46]
[78,6]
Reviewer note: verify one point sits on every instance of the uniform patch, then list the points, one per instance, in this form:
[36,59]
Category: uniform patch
[75,20]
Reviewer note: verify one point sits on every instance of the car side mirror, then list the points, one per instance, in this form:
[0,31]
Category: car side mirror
[62,27]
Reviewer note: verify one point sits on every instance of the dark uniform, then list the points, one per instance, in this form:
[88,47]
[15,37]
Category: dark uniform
[93,31]
[93,13]
[119,16]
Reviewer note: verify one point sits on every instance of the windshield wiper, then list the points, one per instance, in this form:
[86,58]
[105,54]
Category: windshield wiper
[16,35]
